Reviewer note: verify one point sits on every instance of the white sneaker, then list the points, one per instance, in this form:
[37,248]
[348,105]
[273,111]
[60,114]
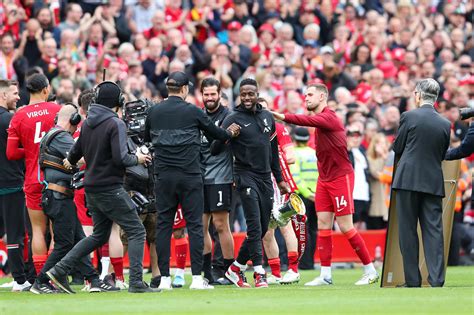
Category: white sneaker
[318,281]
[290,277]
[368,278]
[271,279]
[21,287]
[165,283]
[7,285]
[199,283]
[121,285]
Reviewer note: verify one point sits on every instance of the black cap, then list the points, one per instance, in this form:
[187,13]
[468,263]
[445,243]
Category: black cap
[108,94]
[301,134]
[178,79]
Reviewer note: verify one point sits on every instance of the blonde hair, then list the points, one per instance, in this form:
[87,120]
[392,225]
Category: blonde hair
[371,152]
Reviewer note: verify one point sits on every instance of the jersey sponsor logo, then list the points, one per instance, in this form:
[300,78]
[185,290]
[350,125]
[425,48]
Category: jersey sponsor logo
[39,113]
[246,125]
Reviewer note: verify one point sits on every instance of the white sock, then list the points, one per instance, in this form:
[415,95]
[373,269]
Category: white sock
[326,272]
[259,269]
[179,272]
[369,268]
[105,263]
[242,267]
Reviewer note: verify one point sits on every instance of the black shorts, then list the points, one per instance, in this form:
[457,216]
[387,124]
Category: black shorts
[217,197]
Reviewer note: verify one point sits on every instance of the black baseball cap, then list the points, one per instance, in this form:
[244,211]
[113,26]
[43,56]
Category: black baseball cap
[178,79]
[301,134]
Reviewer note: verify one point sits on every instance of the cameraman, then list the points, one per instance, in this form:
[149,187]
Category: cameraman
[57,201]
[103,144]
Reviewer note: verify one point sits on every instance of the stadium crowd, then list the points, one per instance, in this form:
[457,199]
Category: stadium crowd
[369,54]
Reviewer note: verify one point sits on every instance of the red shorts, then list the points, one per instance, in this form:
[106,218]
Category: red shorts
[33,196]
[179,221]
[336,196]
[80,201]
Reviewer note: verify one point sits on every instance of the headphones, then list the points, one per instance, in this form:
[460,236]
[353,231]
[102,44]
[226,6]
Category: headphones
[75,118]
[121,97]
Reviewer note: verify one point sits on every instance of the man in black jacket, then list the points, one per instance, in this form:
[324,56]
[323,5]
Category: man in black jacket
[173,127]
[421,144]
[12,198]
[58,204]
[103,144]
[255,158]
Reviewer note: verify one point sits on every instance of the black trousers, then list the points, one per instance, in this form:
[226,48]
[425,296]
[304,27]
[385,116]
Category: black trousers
[108,207]
[427,209]
[256,193]
[307,260]
[67,231]
[172,188]
[12,208]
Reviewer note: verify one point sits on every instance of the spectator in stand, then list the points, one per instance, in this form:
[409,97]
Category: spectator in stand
[377,155]
[360,164]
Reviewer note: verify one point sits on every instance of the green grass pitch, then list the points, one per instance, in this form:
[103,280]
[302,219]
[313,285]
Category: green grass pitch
[341,298]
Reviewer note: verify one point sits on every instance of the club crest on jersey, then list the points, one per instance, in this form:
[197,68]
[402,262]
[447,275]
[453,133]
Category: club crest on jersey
[217,123]
[267,128]
[248,191]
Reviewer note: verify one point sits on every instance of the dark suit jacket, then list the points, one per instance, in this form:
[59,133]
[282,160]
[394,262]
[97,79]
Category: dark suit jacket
[465,149]
[421,144]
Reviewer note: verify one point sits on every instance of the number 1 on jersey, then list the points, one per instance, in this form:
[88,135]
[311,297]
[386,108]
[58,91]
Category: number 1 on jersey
[38,133]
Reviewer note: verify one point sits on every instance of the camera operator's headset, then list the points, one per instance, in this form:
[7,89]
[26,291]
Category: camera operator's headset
[121,97]
[75,118]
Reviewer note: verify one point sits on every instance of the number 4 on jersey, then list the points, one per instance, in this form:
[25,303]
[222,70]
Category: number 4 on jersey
[38,133]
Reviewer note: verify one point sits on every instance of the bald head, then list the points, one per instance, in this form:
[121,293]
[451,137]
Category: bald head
[64,115]
[66,112]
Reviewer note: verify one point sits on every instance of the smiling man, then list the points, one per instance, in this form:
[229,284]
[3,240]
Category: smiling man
[218,179]
[255,159]
[335,183]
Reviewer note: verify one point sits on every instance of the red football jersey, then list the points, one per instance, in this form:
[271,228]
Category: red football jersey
[27,128]
[331,143]
[284,139]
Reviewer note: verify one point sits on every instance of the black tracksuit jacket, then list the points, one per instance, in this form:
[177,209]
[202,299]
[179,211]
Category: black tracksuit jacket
[174,127]
[256,148]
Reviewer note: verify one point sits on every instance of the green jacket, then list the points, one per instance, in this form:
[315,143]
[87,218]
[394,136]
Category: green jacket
[305,171]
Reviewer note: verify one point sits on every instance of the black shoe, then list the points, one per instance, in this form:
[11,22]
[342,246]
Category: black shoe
[155,282]
[43,288]
[101,286]
[142,288]
[59,280]
[110,279]
[405,285]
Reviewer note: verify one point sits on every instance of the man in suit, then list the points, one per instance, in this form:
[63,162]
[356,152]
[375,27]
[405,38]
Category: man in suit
[421,144]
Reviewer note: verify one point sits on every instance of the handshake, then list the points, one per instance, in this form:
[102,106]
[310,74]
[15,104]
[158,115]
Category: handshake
[234,130]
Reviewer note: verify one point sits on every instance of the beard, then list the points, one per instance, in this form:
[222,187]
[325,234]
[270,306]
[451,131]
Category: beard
[212,105]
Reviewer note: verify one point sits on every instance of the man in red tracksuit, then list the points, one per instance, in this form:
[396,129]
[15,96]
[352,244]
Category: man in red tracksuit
[335,183]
